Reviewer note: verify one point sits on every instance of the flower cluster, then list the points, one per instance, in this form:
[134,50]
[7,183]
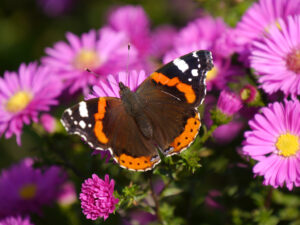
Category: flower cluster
[97,198]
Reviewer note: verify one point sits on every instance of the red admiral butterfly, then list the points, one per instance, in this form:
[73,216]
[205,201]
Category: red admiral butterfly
[161,115]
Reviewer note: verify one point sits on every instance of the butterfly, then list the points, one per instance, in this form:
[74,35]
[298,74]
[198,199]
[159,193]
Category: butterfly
[161,115]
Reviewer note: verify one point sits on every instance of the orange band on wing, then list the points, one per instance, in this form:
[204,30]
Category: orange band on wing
[182,87]
[138,163]
[98,129]
[188,135]
[99,132]
[101,109]
[188,92]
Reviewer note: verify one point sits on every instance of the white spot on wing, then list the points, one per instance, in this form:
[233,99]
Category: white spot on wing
[83,112]
[195,54]
[69,111]
[181,64]
[190,79]
[82,124]
[195,72]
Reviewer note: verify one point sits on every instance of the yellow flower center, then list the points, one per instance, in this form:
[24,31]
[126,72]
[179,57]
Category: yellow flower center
[287,144]
[212,74]
[28,191]
[293,61]
[267,28]
[87,59]
[245,94]
[18,101]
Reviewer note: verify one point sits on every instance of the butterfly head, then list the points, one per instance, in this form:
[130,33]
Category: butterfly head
[123,89]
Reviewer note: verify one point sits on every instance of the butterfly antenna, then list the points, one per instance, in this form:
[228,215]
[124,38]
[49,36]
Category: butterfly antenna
[92,72]
[128,58]
[97,75]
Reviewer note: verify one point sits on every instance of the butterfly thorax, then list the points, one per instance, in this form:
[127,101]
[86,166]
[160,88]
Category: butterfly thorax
[135,109]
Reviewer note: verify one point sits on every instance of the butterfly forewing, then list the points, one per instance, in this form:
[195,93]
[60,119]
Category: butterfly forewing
[186,76]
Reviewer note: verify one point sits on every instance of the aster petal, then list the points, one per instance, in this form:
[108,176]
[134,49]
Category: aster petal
[262,166]
[74,41]
[282,172]
[292,171]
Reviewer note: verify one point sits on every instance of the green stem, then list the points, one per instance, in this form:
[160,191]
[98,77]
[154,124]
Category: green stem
[155,198]
[208,134]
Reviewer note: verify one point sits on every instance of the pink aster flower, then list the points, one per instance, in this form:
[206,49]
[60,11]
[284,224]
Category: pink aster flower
[17,220]
[134,21]
[48,122]
[257,20]
[103,55]
[67,195]
[226,133]
[228,103]
[274,141]
[24,189]
[162,39]
[203,33]
[276,58]
[97,198]
[23,95]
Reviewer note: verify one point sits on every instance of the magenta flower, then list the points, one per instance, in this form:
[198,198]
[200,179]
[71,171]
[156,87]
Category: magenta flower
[134,21]
[221,134]
[276,58]
[228,103]
[162,39]
[97,198]
[204,33]
[104,55]
[274,141]
[17,220]
[24,189]
[48,122]
[67,195]
[257,20]
[249,94]
[23,95]
[55,8]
